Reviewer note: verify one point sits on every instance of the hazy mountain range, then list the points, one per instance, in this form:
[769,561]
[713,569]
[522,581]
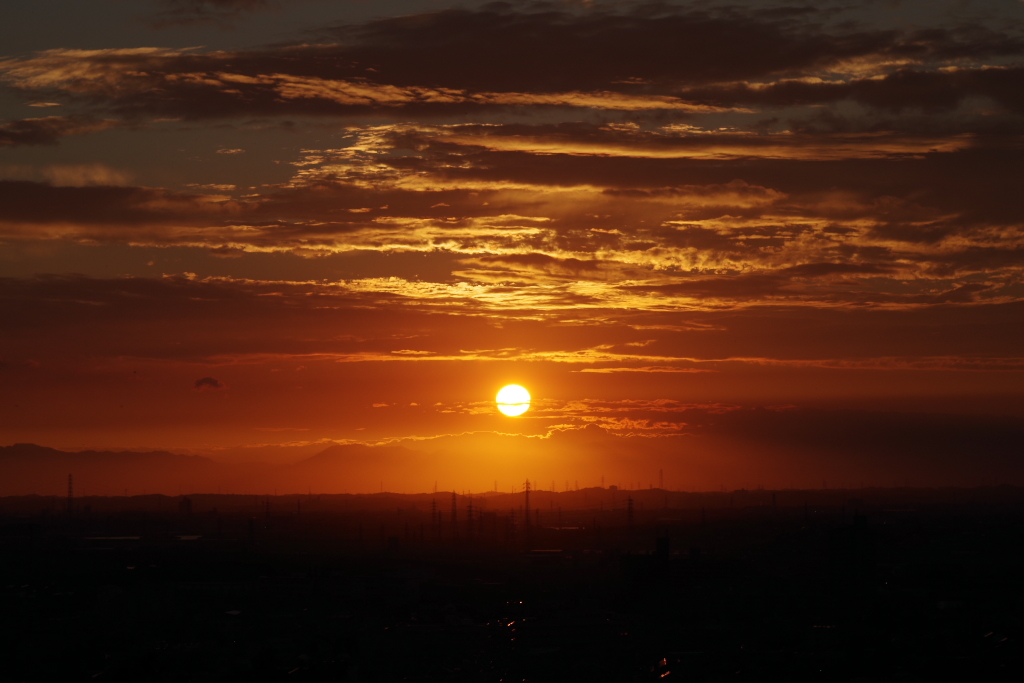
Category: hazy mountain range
[728,450]
[29,468]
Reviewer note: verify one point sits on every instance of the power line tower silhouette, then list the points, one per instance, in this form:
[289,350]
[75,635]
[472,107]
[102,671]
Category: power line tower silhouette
[455,522]
[71,494]
[526,490]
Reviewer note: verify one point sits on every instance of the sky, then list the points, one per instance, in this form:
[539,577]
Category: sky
[743,243]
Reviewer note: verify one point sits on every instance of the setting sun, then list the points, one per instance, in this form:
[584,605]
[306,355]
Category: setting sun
[513,400]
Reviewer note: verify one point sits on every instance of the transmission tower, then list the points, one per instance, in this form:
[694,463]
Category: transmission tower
[455,524]
[526,489]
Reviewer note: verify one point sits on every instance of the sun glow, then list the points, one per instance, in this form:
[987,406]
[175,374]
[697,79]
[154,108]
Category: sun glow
[513,400]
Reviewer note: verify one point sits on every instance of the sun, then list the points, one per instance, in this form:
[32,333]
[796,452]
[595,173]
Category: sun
[513,400]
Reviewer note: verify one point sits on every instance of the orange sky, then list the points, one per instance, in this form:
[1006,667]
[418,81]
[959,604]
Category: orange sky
[759,244]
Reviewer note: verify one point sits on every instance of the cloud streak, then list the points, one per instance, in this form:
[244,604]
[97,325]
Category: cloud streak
[48,130]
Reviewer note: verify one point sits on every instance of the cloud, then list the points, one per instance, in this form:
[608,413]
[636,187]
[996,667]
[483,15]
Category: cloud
[908,88]
[649,46]
[82,175]
[656,58]
[48,130]
[272,322]
[128,80]
[208,384]
[654,371]
[222,12]
[605,235]
[648,368]
[214,187]
[679,180]
[814,270]
[70,209]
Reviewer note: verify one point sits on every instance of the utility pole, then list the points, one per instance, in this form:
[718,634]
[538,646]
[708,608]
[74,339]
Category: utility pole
[629,511]
[661,479]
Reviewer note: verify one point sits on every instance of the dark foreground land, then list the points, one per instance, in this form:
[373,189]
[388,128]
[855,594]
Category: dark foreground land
[869,585]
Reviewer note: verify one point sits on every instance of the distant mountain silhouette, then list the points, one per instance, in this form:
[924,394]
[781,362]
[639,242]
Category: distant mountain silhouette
[358,467]
[35,453]
[734,448]
[357,453]
[27,468]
